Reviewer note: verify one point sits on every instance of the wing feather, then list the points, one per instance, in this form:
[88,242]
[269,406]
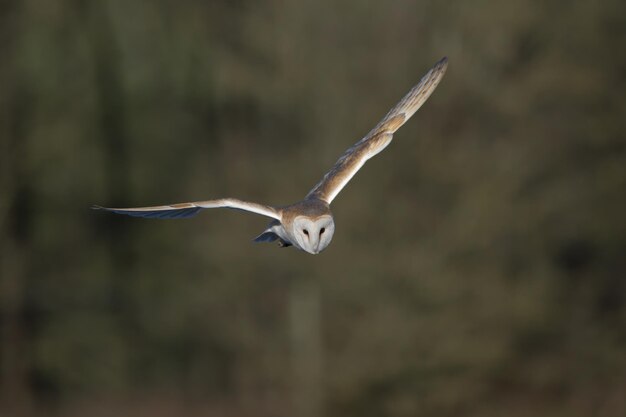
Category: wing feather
[182,210]
[379,137]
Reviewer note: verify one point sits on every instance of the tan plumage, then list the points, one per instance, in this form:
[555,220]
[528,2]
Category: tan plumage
[309,224]
[379,137]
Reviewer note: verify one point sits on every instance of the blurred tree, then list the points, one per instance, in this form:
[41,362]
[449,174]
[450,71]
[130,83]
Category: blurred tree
[16,220]
[478,266]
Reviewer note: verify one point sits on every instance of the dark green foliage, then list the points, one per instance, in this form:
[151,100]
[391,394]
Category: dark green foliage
[478,267]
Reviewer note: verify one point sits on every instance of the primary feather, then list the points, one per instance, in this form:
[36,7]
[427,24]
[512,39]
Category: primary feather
[181,210]
[379,137]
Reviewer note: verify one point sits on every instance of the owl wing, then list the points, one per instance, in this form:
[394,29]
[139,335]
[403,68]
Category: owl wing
[182,210]
[379,137]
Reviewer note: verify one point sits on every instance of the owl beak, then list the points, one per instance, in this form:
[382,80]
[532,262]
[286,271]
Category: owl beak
[317,248]
[314,250]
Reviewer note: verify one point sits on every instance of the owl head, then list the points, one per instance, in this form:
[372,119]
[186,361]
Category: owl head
[312,234]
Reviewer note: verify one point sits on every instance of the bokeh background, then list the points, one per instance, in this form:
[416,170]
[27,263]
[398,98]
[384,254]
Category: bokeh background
[479,264]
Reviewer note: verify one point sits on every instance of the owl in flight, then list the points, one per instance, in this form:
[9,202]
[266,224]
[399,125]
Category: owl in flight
[308,224]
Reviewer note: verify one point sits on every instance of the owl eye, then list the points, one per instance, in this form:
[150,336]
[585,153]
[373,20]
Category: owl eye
[306,232]
[322,230]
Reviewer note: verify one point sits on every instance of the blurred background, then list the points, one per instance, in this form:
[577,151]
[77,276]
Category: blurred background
[478,267]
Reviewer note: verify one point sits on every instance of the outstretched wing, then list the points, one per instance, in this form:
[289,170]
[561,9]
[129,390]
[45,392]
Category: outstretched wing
[379,137]
[182,210]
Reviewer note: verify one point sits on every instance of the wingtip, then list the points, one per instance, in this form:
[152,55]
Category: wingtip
[96,207]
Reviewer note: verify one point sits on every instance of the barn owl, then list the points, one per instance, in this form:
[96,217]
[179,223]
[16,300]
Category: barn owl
[308,224]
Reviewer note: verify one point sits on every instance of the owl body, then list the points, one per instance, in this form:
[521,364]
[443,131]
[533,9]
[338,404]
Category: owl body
[308,224]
